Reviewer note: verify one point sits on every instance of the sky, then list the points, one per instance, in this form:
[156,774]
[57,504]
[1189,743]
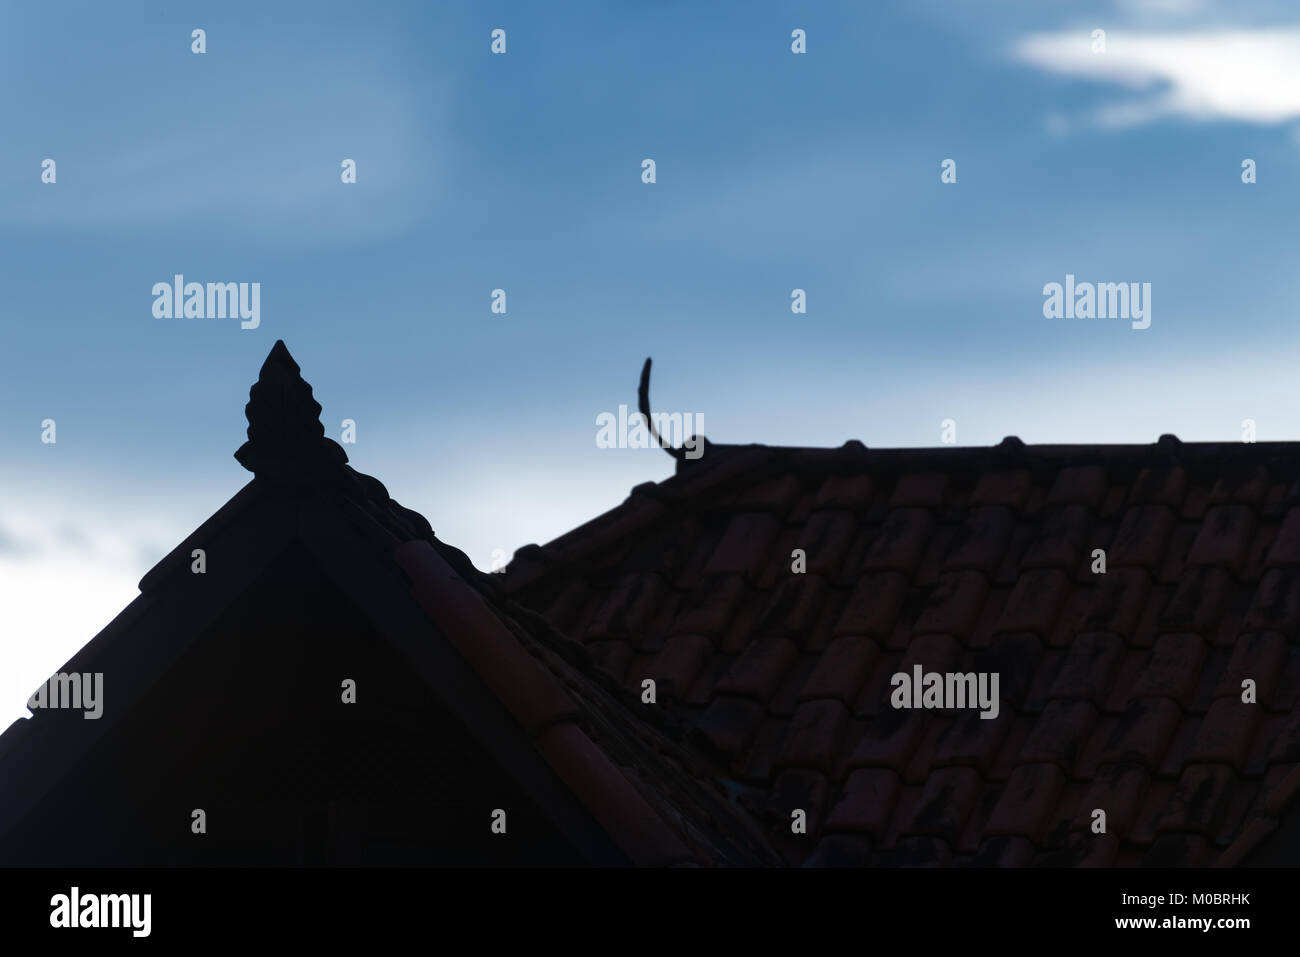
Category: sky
[523,171]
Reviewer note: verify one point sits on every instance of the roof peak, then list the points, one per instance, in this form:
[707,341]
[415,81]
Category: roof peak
[286,440]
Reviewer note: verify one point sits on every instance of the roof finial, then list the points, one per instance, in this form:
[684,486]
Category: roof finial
[286,441]
[643,403]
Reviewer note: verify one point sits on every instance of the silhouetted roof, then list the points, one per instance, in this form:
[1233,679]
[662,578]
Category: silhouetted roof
[648,791]
[1120,691]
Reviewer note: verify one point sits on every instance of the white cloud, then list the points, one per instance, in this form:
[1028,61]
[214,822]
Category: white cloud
[76,572]
[1246,75]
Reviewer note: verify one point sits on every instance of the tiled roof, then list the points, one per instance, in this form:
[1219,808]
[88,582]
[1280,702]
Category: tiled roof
[1119,691]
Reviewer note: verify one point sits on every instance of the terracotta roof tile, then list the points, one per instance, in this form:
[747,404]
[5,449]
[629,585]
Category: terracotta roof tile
[1111,686]
[741,631]
[1027,801]
[1040,686]
[1258,656]
[727,725]
[1064,539]
[1088,667]
[971,740]
[628,606]
[1119,790]
[1277,602]
[1197,800]
[1279,790]
[1180,744]
[946,801]
[889,742]
[842,669]
[1286,546]
[981,543]
[1122,689]
[1174,668]
[1144,732]
[1010,488]
[1254,833]
[873,607]
[757,673]
[927,572]
[1261,543]
[776,494]
[1159,486]
[1241,484]
[1142,536]
[799,602]
[1198,603]
[787,698]
[1015,657]
[764,748]
[1119,600]
[621,810]
[530,692]
[931,653]
[1092,756]
[1103,851]
[867,802]
[1035,601]
[569,603]
[902,540]
[1286,693]
[800,790]
[920,490]
[1226,732]
[746,545]
[1059,734]
[825,538]
[678,663]
[955,604]
[1224,537]
[814,735]
[1081,485]
[873,699]
[851,492]
[613,655]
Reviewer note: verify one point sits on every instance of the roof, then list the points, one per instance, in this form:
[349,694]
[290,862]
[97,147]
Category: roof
[1120,691]
[530,696]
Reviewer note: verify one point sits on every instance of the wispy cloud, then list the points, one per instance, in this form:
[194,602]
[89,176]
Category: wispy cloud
[1243,75]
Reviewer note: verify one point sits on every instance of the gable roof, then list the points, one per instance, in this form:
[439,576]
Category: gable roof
[1119,691]
[529,696]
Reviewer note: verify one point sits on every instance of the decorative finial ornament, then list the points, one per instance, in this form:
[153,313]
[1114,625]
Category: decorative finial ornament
[286,440]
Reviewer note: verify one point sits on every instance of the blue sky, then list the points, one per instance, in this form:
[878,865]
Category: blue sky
[522,171]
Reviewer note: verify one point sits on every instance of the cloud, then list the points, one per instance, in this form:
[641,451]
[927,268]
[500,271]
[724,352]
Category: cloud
[9,545]
[265,165]
[1243,75]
